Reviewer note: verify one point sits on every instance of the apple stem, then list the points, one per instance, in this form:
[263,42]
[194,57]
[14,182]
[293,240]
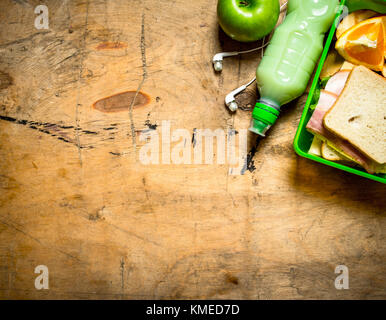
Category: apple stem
[244,3]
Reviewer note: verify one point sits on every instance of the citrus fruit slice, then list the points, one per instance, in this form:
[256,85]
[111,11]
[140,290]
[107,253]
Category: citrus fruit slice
[352,19]
[364,43]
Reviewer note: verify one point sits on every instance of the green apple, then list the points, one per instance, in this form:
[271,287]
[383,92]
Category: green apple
[247,20]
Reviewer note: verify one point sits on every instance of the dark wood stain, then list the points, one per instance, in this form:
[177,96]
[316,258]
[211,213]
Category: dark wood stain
[5,80]
[55,130]
[150,125]
[231,278]
[121,102]
[247,99]
[111,45]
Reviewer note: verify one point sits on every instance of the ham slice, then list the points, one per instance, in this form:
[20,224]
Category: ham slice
[315,125]
[326,101]
[336,83]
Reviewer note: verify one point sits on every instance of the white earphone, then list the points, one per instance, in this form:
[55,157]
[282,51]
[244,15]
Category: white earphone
[230,100]
[218,57]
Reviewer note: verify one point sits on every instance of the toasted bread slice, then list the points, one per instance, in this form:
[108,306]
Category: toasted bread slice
[329,153]
[359,114]
[378,168]
[347,66]
[332,65]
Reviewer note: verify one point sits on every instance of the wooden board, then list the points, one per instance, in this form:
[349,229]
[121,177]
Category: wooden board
[75,197]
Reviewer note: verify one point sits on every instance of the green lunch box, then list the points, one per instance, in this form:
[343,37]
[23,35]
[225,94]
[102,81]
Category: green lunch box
[303,138]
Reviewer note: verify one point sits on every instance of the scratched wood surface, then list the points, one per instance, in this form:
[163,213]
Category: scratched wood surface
[74,197]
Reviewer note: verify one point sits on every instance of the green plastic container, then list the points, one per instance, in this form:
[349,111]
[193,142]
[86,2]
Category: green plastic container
[303,138]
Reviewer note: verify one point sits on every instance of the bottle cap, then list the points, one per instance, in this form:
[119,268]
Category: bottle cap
[263,117]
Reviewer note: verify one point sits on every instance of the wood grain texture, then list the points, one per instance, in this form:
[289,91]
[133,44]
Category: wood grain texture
[74,196]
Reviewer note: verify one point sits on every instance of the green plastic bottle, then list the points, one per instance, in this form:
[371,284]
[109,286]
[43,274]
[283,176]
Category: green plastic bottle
[290,58]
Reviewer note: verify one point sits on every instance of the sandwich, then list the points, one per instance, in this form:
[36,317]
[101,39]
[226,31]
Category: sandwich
[359,114]
[350,119]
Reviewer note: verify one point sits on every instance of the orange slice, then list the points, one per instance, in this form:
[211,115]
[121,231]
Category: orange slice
[364,43]
[352,19]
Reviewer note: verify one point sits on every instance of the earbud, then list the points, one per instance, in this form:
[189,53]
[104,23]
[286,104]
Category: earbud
[217,65]
[230,100]
[219,57]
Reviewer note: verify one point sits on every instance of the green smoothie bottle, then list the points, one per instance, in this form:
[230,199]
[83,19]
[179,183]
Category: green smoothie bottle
[290,58]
